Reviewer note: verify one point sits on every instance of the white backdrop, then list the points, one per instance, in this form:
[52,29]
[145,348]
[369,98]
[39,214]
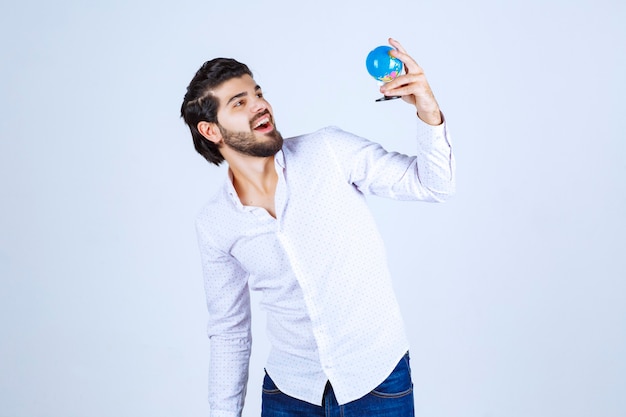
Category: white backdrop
[514,292]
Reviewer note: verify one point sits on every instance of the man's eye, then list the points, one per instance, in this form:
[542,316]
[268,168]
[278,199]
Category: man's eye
[259,95]
[238,103]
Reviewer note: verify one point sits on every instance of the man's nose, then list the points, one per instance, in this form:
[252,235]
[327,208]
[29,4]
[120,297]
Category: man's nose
[258,105]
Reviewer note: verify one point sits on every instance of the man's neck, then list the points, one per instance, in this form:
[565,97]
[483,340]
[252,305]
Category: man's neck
[255,181]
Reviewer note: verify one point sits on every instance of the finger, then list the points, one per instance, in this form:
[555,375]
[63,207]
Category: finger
[406,79]
[409,62]
[412,67]
[397,45]
[401,90]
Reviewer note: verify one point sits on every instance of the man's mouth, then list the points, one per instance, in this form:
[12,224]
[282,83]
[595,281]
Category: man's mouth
[263,124]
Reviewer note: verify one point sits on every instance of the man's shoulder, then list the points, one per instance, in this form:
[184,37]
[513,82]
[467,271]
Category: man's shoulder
[324,132]
[216,204]
[314,139]
[327,141]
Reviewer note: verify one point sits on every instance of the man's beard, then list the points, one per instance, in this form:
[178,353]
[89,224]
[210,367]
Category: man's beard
[248,144]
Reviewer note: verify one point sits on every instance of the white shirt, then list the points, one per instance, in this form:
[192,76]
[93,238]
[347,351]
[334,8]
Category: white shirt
[320,265]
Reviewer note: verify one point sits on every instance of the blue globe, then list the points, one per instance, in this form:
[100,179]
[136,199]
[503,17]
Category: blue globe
[381,65]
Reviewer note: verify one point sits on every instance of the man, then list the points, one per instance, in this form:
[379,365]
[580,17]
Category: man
[291,222]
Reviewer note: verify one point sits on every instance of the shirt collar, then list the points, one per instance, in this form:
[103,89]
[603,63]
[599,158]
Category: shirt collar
[279,158]
[230,190]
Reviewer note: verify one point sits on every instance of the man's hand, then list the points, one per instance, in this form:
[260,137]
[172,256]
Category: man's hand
[413,87]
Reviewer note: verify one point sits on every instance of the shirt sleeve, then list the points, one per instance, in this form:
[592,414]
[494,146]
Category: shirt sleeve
[427,176]
[228,303]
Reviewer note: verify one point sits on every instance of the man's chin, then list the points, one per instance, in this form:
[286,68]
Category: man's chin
[268,145]
[273,135]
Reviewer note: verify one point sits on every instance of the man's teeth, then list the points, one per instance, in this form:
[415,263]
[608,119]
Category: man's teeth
[262,121]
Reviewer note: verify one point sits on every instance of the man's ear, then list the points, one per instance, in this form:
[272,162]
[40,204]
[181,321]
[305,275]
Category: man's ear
[210,131]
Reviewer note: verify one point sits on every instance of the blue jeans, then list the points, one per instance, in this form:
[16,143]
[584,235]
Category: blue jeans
[392,398]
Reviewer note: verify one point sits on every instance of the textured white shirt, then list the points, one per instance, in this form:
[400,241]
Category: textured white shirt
[320,265]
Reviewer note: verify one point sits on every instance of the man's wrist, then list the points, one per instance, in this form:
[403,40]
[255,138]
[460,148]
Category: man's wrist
[432,117]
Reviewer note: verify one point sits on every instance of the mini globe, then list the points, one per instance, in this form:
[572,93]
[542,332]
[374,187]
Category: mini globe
[381,65]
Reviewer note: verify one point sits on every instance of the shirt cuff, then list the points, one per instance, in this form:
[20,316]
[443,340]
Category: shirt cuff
[224,413]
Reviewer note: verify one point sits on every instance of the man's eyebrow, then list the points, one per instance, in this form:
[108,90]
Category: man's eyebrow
[236,96]
[242,94]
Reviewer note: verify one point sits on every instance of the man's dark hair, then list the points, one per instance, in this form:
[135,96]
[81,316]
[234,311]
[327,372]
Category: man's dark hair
[200,105]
